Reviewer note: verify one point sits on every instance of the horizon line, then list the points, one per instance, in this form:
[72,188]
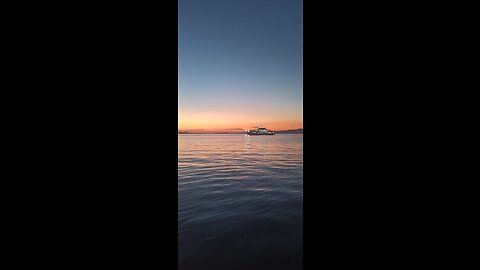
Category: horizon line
[226,131]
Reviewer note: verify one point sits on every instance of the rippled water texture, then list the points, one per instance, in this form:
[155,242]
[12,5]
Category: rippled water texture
[240,202]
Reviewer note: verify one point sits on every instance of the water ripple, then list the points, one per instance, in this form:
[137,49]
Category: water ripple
[239,197]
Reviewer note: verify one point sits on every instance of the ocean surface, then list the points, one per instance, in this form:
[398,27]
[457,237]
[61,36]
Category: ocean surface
[240,202]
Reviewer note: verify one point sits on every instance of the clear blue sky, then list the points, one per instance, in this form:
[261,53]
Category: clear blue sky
[240,63]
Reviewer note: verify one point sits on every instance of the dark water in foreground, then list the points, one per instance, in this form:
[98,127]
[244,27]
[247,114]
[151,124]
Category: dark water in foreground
[240,202]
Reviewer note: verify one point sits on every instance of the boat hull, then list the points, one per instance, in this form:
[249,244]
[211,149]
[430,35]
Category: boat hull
[254,134]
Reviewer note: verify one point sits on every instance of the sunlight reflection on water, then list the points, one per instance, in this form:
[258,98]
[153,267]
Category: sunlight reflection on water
[240,201]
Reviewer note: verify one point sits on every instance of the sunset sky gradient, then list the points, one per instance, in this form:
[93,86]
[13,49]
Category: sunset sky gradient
[240,64]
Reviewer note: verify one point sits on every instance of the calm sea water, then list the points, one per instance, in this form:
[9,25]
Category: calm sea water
[240,202]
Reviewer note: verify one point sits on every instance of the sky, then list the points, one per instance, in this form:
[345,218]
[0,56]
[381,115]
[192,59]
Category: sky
[240,64]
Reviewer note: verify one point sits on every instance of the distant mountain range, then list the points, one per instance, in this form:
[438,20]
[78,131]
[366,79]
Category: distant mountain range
[290,131]
[238,131]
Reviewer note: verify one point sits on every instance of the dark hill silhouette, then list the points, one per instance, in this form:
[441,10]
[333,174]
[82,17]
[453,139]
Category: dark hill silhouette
[290,131]
[237,131]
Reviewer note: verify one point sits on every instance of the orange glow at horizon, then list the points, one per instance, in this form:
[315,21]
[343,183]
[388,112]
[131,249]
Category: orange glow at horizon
[227,122]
